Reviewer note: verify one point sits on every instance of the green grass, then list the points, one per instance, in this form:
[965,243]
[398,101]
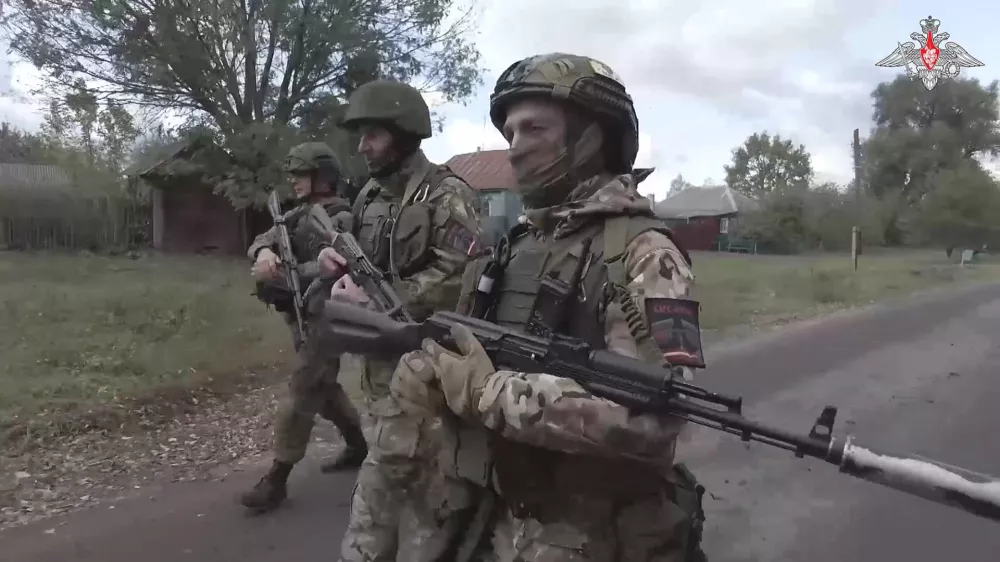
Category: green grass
[83,337]
[737,289]
[88,341]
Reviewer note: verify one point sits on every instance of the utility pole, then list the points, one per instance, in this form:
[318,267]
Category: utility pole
[856,231]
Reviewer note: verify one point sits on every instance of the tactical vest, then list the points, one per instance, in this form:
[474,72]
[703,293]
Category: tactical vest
[527,476]
[304,244]
[376,212]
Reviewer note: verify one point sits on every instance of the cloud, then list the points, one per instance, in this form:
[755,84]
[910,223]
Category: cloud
[461,136]
[705,75]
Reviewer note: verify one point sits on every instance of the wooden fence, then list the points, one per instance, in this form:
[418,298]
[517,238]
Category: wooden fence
[62,219]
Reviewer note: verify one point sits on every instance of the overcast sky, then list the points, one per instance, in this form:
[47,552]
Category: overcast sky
[704,75]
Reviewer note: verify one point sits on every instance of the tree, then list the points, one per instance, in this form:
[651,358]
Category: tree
[766,164]
[79,131]
[677,185]
[253,69]
[961,208]
[920,132]
[20,147]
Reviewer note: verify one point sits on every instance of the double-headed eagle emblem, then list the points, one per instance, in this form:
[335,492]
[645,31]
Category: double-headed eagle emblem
[927,62]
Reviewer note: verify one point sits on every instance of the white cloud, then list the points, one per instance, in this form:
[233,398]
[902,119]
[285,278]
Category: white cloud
[464,135]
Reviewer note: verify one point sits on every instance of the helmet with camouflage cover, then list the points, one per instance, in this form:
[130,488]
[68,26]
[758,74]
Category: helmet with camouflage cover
[582,81]
[316,159]
[386,102]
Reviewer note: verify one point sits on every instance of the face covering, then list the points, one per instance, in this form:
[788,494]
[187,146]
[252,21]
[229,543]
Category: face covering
[547,175]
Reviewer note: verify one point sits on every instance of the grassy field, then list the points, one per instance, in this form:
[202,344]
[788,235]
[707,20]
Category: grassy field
[739,289]
[88,340]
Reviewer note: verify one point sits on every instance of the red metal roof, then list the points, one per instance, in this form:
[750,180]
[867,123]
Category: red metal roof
[483,170]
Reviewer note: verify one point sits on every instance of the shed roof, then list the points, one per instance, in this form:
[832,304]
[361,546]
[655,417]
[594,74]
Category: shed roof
[708,201]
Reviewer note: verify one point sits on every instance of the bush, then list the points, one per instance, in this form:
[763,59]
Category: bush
[819,218]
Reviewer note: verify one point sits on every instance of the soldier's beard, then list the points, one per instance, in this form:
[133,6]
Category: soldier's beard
[546,178]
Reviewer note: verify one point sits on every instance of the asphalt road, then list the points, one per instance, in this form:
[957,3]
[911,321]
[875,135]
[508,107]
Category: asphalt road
[921,378]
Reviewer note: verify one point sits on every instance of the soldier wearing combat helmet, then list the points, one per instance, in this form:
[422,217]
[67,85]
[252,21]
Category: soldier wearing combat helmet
[579,477]
[418,222]
[313,387]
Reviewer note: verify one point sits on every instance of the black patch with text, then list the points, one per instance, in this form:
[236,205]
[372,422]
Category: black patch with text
[676,330]
[460,238]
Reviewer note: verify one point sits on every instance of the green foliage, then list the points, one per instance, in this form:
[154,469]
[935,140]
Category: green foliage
[254,70]
[20,147]
[961,209]
[818,218]
[918,133]
[766,164]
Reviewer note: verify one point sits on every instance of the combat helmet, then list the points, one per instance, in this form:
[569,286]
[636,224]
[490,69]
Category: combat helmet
[582,81]
[386,102]
[316,158]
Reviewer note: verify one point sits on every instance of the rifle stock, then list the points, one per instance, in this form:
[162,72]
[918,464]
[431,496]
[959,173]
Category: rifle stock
[649,388]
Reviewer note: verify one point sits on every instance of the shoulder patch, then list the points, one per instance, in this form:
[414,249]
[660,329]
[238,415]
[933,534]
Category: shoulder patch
[674,326]
[460,238]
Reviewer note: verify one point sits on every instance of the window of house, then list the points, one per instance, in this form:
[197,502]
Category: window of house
[724,226]
[493,203]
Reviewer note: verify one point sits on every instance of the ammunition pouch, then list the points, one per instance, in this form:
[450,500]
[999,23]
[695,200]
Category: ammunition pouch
[411,245]
[279,297]
[376,226]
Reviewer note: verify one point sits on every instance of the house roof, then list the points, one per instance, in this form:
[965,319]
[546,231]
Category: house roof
[483,170]
[708,201]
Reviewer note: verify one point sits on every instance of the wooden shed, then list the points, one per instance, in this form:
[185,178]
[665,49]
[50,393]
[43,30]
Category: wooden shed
[188,216]
[705,218]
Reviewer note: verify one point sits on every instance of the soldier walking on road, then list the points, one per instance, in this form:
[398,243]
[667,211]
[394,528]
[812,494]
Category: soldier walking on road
[313,387]
[579,478]
[418,222]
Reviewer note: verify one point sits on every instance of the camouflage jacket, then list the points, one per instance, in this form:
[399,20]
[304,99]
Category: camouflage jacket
[455,221]
[557,413]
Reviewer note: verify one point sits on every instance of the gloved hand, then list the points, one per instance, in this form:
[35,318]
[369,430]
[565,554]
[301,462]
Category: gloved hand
[414,386]
[459,377]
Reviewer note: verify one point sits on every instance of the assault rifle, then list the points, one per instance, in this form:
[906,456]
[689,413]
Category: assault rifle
[366,275]
[648,388]
[289,265]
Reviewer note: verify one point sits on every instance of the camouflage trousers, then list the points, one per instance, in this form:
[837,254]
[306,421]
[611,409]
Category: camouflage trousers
[403,508]
[313,389]
[591,527]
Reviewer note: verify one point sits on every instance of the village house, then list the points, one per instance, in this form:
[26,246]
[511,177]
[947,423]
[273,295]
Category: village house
[707,218]
[488,173]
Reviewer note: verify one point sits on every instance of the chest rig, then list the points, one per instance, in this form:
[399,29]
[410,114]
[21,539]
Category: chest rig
[564,286]
[376,213]
[305,240]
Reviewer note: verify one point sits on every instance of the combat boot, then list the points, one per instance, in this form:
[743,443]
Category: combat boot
[351,457]
[271,490]
[341,412]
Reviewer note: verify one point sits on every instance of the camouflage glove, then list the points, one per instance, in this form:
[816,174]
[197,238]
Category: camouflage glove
[461,377]
[414,386]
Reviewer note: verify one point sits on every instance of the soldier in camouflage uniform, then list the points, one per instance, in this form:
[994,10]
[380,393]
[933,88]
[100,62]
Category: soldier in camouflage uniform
[418,222]
[579,477]
[313,388]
